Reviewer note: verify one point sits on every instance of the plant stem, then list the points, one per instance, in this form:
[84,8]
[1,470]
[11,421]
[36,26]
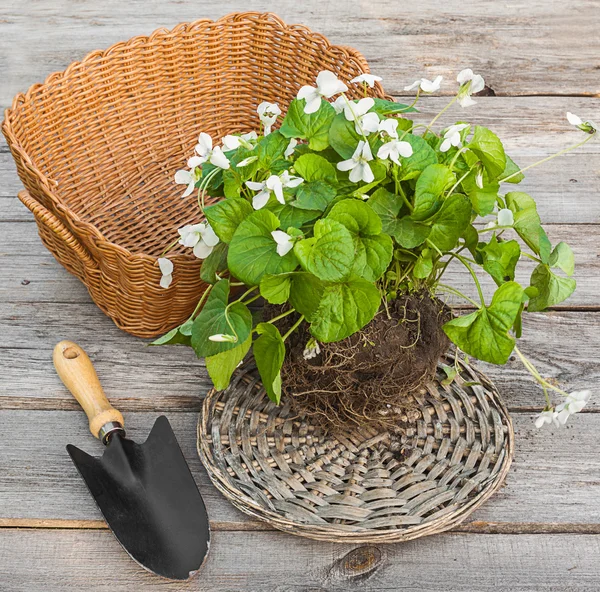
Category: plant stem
[439,114]
[201,301]
[544,383]
[294,327]
[473,275]
[356,120]
[282,315]
[457,293]
[169,247]
[590,136]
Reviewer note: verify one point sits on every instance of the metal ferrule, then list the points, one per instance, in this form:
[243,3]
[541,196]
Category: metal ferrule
[108,430]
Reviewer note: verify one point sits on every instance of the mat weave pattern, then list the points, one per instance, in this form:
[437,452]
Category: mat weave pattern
[363,486]
[97,146]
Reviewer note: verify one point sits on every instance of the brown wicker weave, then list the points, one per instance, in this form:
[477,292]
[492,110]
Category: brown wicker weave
[97,146]
[363,486]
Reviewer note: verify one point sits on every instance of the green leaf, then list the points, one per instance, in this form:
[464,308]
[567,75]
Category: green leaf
[527,223]
[313,167]
[345,308]
[214,263]
[387,206]
[384,107]
[173,337]
[296,217]
[314,195]
[329,254]
[563,258]
[215,318]
[253,251]
[484,333]
[221,366]
[269,352]
[343,137]
[551,288]
[410,234]
[226,215]
[424,265]
[488,148]
[276,288]
[431,185]
[374,249]
[450,222]
[305,294]
[313,127]
[423,155]
[482,199]
[510,169]
[500,259]
[270,149]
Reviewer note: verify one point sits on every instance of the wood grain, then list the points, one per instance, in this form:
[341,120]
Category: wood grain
[72,560]
[538,47]
[554,479]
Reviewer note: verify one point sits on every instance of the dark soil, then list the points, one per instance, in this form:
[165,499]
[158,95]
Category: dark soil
[370,377]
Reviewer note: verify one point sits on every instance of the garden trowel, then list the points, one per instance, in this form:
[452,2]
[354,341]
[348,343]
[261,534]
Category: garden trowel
[145,491]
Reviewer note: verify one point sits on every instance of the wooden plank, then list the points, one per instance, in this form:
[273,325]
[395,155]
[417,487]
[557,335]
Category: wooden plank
[539,47]
[562,345]
[531,128]
[68,560]
[29,273]
[554,478]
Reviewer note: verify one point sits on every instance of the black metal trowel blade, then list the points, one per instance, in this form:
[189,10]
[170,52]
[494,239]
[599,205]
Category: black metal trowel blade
[150,501]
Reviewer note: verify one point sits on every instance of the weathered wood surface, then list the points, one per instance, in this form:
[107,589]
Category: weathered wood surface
[83,560]
[540,532]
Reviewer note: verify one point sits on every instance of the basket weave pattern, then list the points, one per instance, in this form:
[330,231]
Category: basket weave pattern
[96,147]
[363,486]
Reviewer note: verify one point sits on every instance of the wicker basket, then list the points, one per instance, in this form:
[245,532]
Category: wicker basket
[366,485]
[96,147]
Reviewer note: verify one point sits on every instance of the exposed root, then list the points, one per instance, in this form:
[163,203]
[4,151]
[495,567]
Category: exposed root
[369,378]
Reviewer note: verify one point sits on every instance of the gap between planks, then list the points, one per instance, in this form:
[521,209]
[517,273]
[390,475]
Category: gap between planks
[475,527]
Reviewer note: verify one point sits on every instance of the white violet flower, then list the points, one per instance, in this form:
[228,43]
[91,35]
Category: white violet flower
[427,86]
[358,165]
[231,142]
[199,236]
[284,242]
[223,337]
[364,122]
[369,79]
[469,84]
[393,149]
[206,153]
[546,417]
[272,185]
[166,269]
[290,181]
[189,178]
[311,350]
[452,136]
[328,85]
[340,104]
[585,126]
[268,114]
[389,127]
[505,217]
[573,403]
[290,148]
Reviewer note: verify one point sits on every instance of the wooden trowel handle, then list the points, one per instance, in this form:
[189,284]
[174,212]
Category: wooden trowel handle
[77,372]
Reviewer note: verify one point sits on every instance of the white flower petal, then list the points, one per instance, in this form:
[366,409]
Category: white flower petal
[366,151]
[290,148]
[165,265]
[328,84]
[445,145]
[369,79]
[204,145]
[219,159]
[202,250]
[574,119]
[339,104]
[255,186]
[389,126]
[231,142]
[346,165]
[195,161]
[405,149]
[505,217]
[464,76]
[183,177]
[307,92]
[260,200]
[189,189]
[209,236]
[166,280]
[466,101]
[414,85]
[369,122]
[312,104]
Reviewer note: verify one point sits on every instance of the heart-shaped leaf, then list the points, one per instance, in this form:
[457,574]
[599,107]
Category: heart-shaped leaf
[313,127]
[486,145]
[429,190]
[450,222]
[552,289]
[226,215]
[220,367]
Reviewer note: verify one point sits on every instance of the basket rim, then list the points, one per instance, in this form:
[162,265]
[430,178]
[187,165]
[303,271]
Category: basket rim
[21,98]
